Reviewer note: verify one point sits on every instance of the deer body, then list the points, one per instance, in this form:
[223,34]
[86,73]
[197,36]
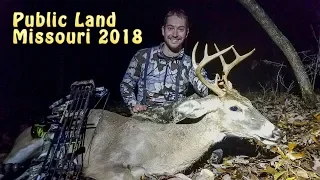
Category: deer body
[156,148]
[126,148]
[165,148]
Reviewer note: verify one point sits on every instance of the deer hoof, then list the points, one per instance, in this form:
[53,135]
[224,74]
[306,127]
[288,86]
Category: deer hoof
[216,156]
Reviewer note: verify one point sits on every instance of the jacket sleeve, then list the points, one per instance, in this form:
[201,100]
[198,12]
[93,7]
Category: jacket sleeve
[198,86]
[130,80]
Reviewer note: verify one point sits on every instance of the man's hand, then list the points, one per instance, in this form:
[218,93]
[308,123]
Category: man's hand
[139,107]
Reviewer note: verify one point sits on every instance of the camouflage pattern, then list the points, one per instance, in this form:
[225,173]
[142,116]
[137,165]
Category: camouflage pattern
[161,78]
[164,114]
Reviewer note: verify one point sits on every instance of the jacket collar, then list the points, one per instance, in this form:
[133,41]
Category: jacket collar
[163,56]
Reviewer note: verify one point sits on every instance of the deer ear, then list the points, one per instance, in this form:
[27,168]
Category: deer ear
[191,109]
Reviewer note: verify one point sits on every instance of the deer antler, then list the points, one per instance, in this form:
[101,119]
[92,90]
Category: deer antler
[226,67]
[206,59]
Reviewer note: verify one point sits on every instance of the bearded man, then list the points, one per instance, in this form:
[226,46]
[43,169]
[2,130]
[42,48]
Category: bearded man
[162,73]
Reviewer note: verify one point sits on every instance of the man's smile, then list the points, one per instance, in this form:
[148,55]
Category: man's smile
[174,40]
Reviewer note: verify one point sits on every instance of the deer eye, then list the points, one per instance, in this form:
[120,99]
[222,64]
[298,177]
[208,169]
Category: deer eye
[234,108]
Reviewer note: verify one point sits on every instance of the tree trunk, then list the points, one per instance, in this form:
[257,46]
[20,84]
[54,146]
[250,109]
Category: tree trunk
[287,48]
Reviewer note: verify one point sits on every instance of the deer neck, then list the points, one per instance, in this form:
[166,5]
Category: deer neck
[192,141]
[209,129]
[199,137]
[210,123]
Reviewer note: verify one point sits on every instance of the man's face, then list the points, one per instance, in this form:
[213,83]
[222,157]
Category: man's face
[175,32]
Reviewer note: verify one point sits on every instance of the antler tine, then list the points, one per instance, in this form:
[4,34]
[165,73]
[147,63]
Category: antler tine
[223,62]
[227,67]
[193,59]
[206,59]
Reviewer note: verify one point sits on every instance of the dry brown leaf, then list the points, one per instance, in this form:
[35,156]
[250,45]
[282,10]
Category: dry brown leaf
[278,175]
[291,178]
[317,116]
[294,156]
[301,173]
[315,139]
[299,123]
[269,170]
[291,146]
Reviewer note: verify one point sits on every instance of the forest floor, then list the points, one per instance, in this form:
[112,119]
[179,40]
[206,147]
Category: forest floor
[296,157]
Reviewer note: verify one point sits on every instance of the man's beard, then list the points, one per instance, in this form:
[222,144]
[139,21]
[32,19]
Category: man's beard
[176,47]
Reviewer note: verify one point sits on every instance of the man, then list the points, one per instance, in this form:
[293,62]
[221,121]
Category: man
[162,73]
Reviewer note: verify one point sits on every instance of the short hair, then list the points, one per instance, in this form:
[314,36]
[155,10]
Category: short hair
[176,12]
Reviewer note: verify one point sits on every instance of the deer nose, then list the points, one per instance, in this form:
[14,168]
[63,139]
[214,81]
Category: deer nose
[277,133]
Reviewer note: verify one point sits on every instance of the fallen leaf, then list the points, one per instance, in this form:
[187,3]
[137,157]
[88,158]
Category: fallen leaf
[291,146]
[278,150]
[294,156]
[280,163]
[315,139]
[291,178]
[301,173]
[299,123]
[278,174]
[269,170]
[317,116]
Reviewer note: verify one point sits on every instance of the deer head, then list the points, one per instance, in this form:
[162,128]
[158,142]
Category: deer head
[235,113]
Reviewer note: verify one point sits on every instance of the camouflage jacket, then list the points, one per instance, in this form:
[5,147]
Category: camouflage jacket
[162,73]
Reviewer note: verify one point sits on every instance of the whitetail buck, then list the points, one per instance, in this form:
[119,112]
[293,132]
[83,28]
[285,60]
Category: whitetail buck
[126,148]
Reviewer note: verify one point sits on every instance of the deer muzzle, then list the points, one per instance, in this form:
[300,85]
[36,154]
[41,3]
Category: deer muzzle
[276,134]
[273,138]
